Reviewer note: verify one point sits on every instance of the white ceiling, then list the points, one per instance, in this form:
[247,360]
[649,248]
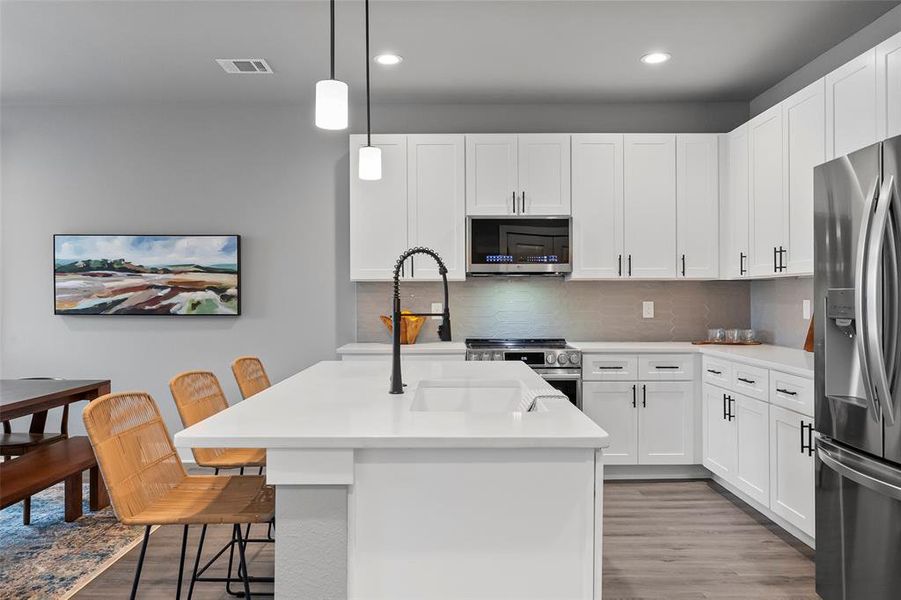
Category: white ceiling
[454,51]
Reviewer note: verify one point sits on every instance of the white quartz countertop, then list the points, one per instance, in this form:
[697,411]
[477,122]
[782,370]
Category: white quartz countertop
[781,358]
[346,404]
[422,348]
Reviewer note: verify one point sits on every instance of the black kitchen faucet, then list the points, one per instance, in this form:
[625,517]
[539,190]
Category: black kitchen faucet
[444,330]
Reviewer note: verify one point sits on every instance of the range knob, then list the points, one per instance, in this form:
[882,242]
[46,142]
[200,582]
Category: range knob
[486,356]
[574,358]
[549,358]
[475,356]
[498,356]
[562,358]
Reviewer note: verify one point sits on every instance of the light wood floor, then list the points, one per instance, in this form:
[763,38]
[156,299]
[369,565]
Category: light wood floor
[662,540]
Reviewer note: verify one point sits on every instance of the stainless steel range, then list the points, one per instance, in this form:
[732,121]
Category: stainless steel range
[556,361]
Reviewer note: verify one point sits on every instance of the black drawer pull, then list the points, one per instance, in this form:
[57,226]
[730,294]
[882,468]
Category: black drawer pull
[666,367]
[786,392]
[714,372]
[748,381]
[610,368]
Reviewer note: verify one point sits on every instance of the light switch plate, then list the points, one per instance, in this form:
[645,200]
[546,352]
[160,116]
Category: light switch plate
[647,310]
[437,307]
[805,309]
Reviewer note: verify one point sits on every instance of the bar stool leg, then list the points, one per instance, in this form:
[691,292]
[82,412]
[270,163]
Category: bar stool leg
[134,586]
[181,562]
[196,562]
[243,564]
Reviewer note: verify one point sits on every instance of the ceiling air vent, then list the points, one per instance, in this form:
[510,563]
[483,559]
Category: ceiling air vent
[244,65]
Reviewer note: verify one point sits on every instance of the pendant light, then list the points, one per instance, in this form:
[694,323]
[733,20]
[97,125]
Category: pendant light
[331,94]
[370,157]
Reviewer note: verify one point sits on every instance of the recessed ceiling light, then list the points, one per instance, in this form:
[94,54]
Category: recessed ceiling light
[655,58]
[388,59]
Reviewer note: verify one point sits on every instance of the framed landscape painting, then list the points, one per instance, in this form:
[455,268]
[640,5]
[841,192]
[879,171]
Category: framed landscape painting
[147,274]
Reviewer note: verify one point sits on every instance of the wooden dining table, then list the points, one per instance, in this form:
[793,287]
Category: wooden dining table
[23,397]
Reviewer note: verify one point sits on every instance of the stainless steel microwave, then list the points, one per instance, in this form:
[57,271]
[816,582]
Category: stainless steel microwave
[509,245]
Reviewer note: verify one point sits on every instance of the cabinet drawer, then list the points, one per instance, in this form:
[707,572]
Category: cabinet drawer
[716,371]
[666,367]
[610,367]
[792,392]
[751,381]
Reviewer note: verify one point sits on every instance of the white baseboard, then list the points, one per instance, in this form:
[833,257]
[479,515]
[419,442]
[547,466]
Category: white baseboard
[634,472]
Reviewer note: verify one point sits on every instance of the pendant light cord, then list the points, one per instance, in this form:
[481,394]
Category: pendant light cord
[332,70]
[368,109]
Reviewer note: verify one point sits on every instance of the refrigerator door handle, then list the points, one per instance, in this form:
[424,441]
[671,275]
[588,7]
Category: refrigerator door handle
[879,378]
[893,291]
[856,472]
[861,312]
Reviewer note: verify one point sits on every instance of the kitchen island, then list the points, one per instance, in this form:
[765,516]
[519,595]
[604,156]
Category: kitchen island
[480,481]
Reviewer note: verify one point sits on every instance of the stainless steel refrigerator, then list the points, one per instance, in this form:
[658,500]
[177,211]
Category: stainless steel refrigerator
[857,224]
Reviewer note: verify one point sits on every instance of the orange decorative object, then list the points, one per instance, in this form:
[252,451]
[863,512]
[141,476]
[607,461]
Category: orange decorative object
[410,325]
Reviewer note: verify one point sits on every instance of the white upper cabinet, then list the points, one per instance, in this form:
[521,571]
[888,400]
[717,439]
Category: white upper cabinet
[697,205]
[804,144]
[436,203]
[888,88]
[378,210]
[526,174]
[734,204]
[597,206]
[768,214]
[492,187]
[851,106]
[649,184]
[544,174]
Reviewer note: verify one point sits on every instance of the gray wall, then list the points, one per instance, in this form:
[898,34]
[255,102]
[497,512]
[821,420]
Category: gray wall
[553,307]
[266,174]
[263,172]
[873,34]
[776,310]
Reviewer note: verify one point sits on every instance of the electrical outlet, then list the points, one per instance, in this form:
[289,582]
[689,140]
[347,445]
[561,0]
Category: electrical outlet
[805,309]
[437,307]
[647,310]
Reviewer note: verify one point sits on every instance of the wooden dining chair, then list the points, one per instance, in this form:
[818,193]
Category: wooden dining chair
[198,395]
[148,484]
[250,375]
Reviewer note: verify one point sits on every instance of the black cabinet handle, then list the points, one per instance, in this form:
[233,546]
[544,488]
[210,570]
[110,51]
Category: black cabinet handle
[683,265]
[630,265]
[748,381]
[714,372]
[775,265]
[619,267]
[634,396]
[603,368]
[523,208]
[741,263]
[644,396]
[786,392]
[666,367]
[731,414]
[804,446]
[725,412]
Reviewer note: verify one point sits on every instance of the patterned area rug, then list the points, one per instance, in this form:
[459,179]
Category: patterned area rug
[51,558]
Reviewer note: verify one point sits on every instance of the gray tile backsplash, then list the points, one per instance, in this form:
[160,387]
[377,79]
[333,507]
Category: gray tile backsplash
[776,310]
[553,307]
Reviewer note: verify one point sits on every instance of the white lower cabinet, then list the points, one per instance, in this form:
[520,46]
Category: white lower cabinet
[649,423]
[719,439]
[666,423]
[613,406]
[791,469]
[752,424]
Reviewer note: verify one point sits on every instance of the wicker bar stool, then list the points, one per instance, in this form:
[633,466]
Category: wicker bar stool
[198,395]
[148,484]
[250,375]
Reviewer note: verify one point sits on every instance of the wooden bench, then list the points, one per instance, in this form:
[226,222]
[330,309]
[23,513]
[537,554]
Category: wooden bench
[48,465]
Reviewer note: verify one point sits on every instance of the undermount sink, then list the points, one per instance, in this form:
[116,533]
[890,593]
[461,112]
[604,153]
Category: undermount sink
[474,395]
